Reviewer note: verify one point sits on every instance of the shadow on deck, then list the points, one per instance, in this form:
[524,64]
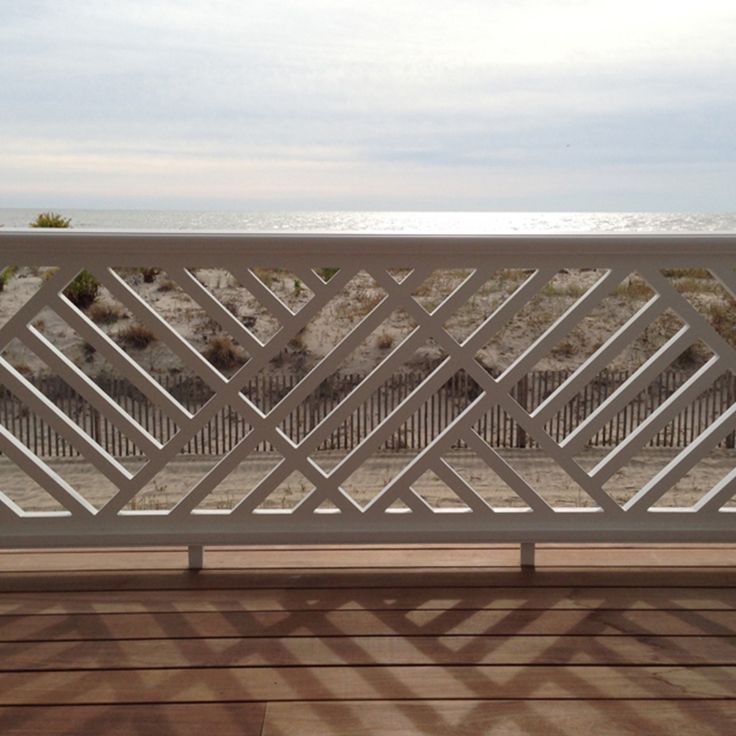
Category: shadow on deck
[447,640]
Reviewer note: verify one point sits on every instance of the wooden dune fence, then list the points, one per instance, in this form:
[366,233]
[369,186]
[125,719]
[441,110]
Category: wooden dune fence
[228,428]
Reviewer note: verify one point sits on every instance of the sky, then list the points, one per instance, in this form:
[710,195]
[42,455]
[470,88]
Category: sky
[490,105]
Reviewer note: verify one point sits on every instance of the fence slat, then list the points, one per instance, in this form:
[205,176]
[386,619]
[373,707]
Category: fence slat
[225,430]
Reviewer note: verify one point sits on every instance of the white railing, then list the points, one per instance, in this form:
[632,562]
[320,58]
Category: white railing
[491,281]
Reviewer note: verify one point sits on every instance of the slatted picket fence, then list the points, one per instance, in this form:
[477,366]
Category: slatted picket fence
[496,427]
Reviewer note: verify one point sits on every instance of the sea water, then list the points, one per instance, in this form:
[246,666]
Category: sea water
[385,222]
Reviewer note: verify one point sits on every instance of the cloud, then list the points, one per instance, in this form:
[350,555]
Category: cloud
[94,91]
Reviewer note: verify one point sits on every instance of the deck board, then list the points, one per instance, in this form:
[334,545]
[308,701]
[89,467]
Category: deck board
[157,719]
[453,639]
[367,650]
[375,599]
[499,718]
[101,627]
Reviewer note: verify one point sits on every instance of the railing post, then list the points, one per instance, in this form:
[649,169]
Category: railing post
[196,557]
[527,555]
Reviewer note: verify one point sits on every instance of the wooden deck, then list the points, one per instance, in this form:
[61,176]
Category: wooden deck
[448,640]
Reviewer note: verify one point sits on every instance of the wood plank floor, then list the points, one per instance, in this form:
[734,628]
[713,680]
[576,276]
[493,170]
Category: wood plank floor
[410,640]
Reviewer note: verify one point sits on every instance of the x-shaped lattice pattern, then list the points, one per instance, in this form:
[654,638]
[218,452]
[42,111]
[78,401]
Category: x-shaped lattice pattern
[329,486]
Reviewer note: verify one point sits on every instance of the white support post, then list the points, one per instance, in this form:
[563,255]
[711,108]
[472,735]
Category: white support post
[196,557]
[527,555]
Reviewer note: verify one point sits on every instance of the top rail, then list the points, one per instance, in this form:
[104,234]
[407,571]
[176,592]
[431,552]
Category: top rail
[35,246]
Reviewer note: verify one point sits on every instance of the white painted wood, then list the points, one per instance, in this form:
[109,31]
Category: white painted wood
[195,557]
[527,554]
[329,514]
[634,385]
[659,418]
[598,361]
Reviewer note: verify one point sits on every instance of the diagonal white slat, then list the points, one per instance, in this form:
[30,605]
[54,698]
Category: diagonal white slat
[506,311]
[495,389]
[120,361]
[393,361]
[507,474]
[189,356]
[344,503]
[700,326]
[90,391]
[26,312]
[187,431]
[443,372]
[43,475]
[311,280]
[363,391]
[629,390]
[264,488]
[290,329]
[10,512]
[200,491]
[424,459]
[683,462]
[63,425]
[719,495]
[561,327]
[278,308]
[268,428]
[418,506]
[461,488]
[727,277]
[328,365]
[277,475]
[216,475]
[248,280]
[214,309]
[459,358]
[600,359]
[656,421]
[309,469]
[226,391]
[535,428]
[254,497]
[225,466]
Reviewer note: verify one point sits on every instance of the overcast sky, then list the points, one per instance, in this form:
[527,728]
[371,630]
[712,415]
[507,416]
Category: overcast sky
[314,104]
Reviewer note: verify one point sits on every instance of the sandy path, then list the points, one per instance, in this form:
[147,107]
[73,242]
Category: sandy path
[540,472]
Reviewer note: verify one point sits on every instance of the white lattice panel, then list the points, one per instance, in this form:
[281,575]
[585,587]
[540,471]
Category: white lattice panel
[452,301]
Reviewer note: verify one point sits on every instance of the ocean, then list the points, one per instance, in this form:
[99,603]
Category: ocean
[385,222]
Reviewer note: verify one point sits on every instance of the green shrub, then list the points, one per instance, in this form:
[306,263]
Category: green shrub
[51,219]
[223,353]
[136,336]
[82,290]
[167,285]
[5,275]
[690,273]
[722,317]
[105,314]
[384,341]
[327,272]
[149,274]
